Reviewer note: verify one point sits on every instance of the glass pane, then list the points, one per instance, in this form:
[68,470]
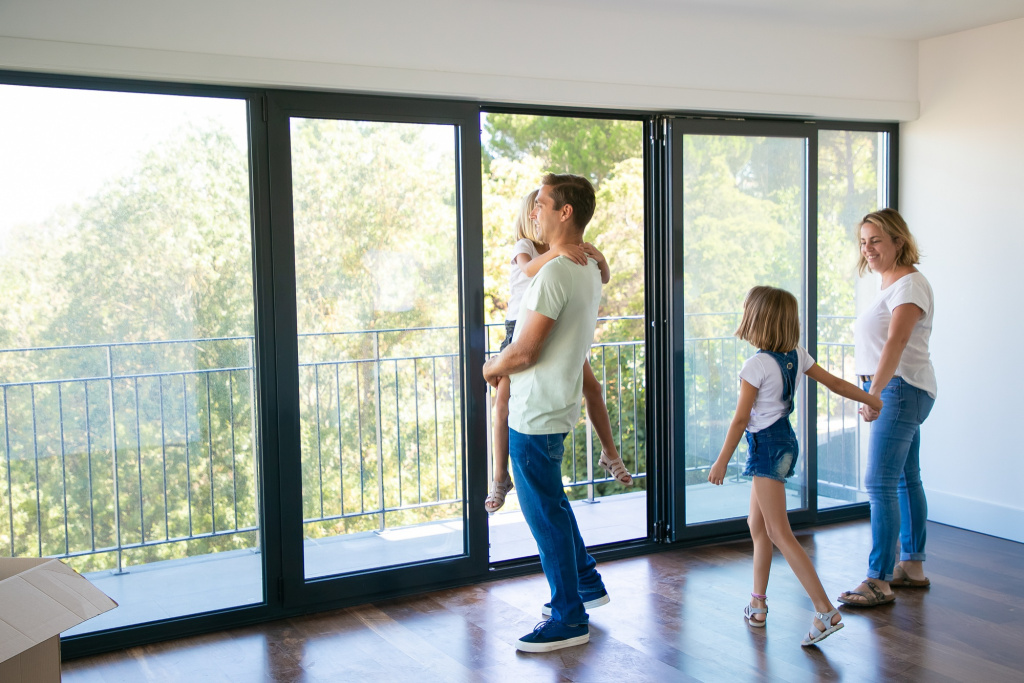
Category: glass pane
[128,441]
[376,261]
[743,225]
[518,150]
[850,185]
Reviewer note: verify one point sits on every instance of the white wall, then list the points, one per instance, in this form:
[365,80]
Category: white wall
[962,178]
[648,56]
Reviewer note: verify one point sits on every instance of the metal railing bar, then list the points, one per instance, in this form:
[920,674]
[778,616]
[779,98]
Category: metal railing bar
[188,456]
[399,455]
[359,413]
[234,459]
[138,446]
[437,447]
[114,345]
[163,460]
[416,405]
[35,453]
[209,435]
[63,466]
[88,450]
[7,458]
[319,449]
[341,454]
[141,375]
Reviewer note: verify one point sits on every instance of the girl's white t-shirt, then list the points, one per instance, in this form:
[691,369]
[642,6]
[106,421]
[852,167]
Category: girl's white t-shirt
[872,330]
[762,371]
[517,279]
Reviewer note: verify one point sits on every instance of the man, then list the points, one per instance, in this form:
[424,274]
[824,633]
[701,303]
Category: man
[551,342]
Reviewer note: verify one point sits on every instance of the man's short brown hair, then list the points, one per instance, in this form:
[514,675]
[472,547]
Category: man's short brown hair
[577,192]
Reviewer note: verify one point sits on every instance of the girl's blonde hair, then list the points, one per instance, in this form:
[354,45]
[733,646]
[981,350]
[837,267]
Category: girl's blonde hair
[524,224]
[892,224]
[771,319]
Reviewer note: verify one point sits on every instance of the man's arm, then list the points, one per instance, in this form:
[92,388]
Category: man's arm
[524,351]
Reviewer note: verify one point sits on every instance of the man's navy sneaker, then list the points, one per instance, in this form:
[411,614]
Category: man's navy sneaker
[591,600]
[553,635]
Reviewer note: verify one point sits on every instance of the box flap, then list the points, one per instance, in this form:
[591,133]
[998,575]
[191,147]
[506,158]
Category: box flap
[43,600]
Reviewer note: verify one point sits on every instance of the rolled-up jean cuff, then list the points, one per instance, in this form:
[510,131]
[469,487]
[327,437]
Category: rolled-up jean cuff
[876,575]
[912,557]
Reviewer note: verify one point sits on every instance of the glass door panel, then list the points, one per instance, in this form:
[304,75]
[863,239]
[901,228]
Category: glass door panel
[744,224]
[851,184]
[128,441]
[377,299]
[517,150]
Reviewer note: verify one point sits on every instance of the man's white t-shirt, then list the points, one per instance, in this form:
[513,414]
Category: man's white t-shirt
[872,330]
[762,372]
[546,398]
[518,281]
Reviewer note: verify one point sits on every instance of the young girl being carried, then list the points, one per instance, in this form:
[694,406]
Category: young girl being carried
[528,257]
[768,383]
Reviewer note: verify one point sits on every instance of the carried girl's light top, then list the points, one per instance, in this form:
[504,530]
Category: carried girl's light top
[517,279]
[762,372]
[872,330]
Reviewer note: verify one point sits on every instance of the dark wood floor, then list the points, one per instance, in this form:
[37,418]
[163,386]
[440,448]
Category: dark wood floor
[674,616]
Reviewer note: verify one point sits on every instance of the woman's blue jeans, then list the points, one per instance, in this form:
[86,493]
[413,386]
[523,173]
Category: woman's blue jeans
[570,570]
[898,505]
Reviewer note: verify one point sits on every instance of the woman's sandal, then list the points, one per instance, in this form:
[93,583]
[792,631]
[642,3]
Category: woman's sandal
[901,580]
[826,620]
[749,611]
[496,498]
[616,468]
[873,599]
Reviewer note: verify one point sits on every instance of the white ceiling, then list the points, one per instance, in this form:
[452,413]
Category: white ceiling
[890,19]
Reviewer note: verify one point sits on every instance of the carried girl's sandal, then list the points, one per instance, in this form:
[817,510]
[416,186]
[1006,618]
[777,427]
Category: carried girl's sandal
[496,498]
[826,621]
[749,611]
[616,468]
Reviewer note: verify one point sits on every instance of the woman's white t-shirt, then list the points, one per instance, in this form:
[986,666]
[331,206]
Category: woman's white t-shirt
[762,372]
[517,279]
[872,330]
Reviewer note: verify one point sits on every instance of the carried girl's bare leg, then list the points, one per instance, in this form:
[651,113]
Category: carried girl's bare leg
[598,413]
[771,499]
[762,557]
[502,482]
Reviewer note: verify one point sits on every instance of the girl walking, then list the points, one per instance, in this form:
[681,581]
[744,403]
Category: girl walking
[768,383]
[529,255]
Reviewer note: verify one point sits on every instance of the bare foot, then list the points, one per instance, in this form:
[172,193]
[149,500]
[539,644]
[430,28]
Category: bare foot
[869,593]
[913,569]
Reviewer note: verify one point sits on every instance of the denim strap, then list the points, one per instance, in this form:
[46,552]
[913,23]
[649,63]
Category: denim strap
[788,365]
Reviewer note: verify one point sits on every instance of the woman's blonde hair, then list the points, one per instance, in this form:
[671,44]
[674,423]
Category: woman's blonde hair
[771,319]
[524,227]
[892,224]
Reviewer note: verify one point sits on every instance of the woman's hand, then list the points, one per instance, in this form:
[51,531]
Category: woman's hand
[717,474]
[574,252]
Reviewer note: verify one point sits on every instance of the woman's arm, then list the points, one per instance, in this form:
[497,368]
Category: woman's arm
[842,387]
[904,317]
[594,253]
[748,392]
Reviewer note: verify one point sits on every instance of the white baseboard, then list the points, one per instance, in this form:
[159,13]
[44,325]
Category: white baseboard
[976,515]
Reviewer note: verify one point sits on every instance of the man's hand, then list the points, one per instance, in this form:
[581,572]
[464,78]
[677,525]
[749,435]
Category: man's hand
[490,376]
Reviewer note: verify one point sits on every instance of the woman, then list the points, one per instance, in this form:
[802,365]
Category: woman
[891,359]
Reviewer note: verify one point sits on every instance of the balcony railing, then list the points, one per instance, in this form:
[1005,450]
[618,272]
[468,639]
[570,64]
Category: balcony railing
[121,454]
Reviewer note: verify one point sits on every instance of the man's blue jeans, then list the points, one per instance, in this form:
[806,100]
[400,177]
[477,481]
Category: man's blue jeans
[893,480]
[537,468]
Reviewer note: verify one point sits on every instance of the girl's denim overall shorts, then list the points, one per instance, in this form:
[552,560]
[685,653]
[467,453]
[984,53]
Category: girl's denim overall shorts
[772,452]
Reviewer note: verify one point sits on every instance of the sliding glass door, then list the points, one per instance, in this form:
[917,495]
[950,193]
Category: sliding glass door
[371,205]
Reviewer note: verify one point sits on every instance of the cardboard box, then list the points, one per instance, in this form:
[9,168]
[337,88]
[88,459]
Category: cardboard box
[40,598]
